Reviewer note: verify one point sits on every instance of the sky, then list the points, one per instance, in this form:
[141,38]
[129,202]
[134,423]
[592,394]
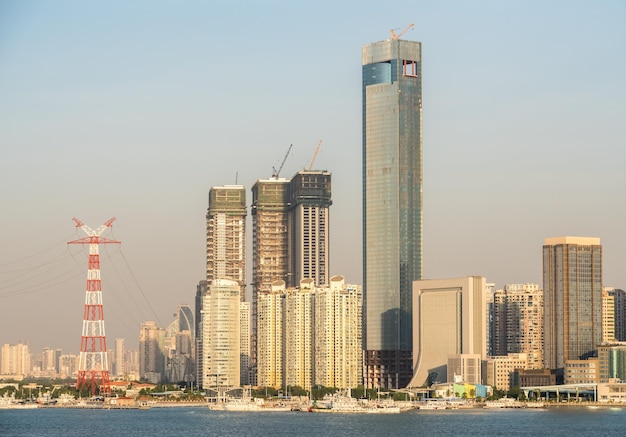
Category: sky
[134,109]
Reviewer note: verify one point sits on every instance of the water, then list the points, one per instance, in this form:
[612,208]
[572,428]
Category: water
[566,421]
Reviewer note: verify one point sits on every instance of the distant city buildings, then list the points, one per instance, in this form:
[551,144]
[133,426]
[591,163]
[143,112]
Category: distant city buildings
[392,206]
[15,360]
[151,352]
[572,286]
[120,353]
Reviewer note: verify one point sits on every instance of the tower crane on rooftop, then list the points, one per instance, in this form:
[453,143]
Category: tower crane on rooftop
[275,172]
[317,150]
[397,36]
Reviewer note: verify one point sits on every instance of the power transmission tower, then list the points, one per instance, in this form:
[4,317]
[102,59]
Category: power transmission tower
[93,366]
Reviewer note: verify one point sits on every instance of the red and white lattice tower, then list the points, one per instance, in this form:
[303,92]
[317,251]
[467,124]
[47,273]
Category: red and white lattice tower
[93,366]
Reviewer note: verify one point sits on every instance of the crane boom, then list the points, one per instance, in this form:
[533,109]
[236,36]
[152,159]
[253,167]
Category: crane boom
[394,36]
[317,150]
[275,173]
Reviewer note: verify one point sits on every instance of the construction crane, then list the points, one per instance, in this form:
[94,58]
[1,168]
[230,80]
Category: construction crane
[317,150]
[275,172]
[397,36]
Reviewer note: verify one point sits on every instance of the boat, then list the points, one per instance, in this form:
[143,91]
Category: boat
[505,403]
[342,402]
[250,405]
[433,405]
[10,403]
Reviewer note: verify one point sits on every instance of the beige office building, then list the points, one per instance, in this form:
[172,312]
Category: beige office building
[448,319]
[499,370]
[465,368]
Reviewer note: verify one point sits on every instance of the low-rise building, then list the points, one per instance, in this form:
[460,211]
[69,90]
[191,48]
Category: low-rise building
[582,371]
[500,371]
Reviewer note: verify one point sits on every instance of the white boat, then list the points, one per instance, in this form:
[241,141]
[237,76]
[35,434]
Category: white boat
[433,405]
[344,403]
[10,403]
[504,403]
[249,404]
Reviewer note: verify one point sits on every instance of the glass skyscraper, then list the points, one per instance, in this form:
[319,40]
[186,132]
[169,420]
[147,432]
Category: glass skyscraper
[572,296]
[392,206]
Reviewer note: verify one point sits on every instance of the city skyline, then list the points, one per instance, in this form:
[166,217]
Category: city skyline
[506,159]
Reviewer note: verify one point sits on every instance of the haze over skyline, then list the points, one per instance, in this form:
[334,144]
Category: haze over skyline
[135,109]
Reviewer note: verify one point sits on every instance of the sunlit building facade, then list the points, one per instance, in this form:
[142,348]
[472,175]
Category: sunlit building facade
[221,335]
[572,287]
[448,319]
[392,206]
[518,322]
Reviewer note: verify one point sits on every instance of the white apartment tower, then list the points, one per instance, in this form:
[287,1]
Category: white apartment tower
[298,328]
[16,359]
[338,334]
[244,342]
[518,322]
[120,352]
[221,335]
[270,336]
[226,235]
[310,335]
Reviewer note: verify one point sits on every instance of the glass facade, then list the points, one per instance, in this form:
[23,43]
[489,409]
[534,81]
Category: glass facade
[572,278]
[392,206]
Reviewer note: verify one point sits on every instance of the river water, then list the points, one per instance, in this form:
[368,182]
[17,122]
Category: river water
[197,421]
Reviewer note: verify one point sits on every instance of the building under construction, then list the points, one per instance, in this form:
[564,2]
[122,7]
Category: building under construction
[290,230]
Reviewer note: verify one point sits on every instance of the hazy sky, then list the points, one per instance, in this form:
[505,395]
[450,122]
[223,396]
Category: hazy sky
[134,109]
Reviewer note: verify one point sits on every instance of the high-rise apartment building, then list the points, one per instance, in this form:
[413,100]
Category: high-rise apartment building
[310,335]
[270,341]
[226,235]
[308,224]
[290,230]
[572,287]
[270,248]
[619,312]
[201,292]
[448,319]
[392,205]
[221,334]
[338,351]
[15,359]
[608,316]
[518,322]
[120,352]
[151,355]
[299,335]
[244,343]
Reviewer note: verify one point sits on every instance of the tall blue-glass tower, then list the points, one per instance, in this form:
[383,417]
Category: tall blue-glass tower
[392,206]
